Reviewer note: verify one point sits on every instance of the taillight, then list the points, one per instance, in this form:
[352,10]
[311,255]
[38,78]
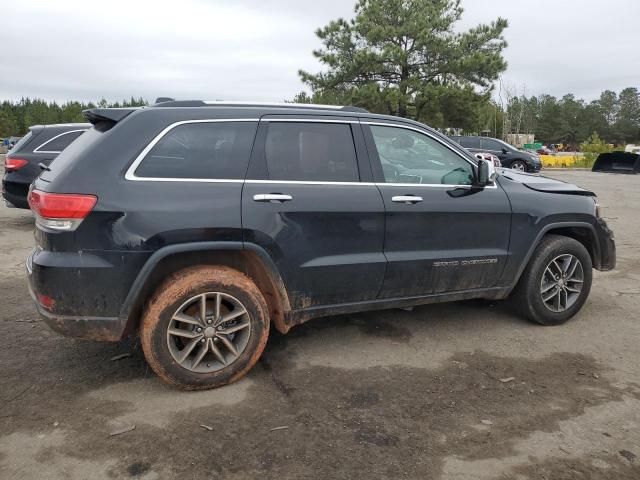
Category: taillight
[46,301]
[60,211]
[13,164]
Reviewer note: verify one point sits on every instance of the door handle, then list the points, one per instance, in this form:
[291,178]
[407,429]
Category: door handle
[272,197]
[408,199]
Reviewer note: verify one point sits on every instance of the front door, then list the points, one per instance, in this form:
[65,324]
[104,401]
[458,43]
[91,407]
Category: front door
[442,233]
[310,202]
[493,146]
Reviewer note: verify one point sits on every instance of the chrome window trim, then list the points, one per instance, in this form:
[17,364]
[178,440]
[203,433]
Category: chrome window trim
[191,180]
[307,182]
[37,149]
[436,185]
[130,174]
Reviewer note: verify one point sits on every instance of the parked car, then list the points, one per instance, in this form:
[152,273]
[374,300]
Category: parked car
[546,150]
[35,150]
[509,156]
[200,224]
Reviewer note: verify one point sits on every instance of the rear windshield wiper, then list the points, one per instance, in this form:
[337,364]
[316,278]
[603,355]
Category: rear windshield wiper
[44,167]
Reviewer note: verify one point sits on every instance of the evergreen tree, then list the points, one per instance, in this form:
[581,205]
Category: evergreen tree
[406,58]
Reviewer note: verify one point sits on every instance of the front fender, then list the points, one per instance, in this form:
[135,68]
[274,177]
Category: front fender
[514,272]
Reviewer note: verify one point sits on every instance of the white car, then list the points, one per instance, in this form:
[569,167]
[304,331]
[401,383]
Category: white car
[489,156]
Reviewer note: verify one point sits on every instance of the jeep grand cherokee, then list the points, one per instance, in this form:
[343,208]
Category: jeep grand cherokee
[31,154]
[201,224]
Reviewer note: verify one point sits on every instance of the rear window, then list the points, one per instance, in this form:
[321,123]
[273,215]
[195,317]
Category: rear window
[311,152]
[208,150]
[59,142]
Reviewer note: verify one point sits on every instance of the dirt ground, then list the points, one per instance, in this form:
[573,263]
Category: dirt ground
[390,394]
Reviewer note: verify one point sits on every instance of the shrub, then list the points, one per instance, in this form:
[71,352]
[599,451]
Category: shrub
[593,147]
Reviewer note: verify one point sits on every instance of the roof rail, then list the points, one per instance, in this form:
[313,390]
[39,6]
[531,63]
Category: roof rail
[224,103]
[287,105]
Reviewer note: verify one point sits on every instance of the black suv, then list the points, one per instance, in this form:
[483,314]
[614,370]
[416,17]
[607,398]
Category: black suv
[509,156]
[201,224]
[40,145]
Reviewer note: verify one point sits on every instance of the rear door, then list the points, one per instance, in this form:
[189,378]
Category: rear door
[310,202]
[442,233]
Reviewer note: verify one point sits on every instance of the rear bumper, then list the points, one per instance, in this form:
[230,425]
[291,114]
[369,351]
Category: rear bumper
[86,292]
[607,255]
[103,329]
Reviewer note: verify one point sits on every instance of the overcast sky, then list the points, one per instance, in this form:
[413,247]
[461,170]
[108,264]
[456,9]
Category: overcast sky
[252,49]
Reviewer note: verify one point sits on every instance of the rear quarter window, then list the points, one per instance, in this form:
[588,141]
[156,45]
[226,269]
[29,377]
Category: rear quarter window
[203,150]
[58,142]
[67,157]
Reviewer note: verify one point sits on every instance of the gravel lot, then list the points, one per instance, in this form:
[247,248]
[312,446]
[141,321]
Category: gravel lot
[390,394]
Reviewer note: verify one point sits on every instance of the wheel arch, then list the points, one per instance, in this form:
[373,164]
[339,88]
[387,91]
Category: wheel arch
[583,232]
[247,258]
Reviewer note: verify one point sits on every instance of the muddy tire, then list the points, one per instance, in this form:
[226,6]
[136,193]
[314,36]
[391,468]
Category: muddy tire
[204,327]
[556,282]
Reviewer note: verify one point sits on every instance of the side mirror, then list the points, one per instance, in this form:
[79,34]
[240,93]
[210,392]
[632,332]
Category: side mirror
[486,173]
[504,150]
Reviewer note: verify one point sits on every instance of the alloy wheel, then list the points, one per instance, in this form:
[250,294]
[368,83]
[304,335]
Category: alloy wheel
[208,332]
[561,283]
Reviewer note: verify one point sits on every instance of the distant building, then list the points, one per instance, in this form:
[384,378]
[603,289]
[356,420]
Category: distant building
[519,139]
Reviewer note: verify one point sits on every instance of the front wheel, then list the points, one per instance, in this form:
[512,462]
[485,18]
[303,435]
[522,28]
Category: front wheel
[556,283]
[204,327]
[519,165]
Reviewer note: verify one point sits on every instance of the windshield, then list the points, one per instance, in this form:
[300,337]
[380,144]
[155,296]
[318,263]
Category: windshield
[510,147]
[496,145]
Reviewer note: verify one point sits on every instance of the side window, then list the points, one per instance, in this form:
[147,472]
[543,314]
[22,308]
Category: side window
[206,150]
[469,142]
[58,143]
[491,144]
[322,152]
[408,156]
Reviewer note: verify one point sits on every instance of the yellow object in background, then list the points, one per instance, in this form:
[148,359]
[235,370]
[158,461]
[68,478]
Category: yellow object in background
[558,160]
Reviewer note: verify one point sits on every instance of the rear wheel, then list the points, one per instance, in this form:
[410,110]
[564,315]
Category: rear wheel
[204,327]
[556,283]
